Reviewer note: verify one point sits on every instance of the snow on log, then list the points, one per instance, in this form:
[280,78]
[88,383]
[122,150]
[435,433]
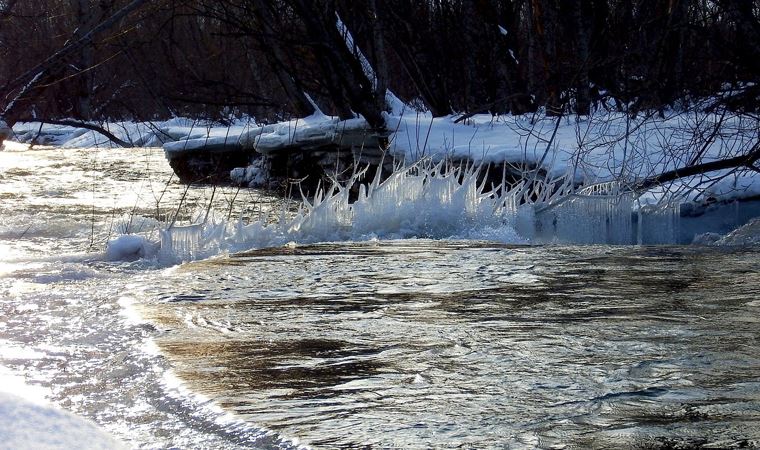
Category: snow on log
[297,148]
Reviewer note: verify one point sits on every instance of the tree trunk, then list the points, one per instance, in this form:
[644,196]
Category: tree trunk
[471,32]
[582,97]
[548,29]
[341,69]
[276,58]
[416,63]
[86,59]
[536,83]
[378,53]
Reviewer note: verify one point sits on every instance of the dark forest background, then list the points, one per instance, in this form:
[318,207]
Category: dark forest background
[143,59]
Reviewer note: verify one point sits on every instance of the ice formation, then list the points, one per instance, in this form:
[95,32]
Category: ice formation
[606,213]
[425,201]
[434,201]
[129,247]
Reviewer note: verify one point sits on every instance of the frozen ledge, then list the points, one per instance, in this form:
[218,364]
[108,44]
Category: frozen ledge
[298,149]
[206,144]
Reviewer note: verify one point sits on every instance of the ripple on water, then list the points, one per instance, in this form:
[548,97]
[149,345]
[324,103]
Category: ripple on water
[413,344]
[423,343]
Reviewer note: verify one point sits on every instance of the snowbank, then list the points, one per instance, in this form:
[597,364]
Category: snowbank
[26,425]
[744,236]
[28,422]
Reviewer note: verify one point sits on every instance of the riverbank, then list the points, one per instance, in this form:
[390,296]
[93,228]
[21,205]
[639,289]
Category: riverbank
[591,149]
[591,161]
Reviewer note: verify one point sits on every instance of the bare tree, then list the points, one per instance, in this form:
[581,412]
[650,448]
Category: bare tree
[35,78]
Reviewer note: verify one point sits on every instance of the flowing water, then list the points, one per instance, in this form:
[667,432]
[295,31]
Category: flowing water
[410,343]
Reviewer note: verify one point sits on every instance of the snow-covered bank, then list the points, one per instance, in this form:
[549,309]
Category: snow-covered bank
[598,148]
[594,162]
[28,422]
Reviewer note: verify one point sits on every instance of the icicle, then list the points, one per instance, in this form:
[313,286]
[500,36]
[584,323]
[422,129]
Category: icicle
[438,201]
[181,243]
[659,224]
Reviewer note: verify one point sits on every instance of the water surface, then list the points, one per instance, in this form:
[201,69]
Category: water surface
[410,343]
[422,343]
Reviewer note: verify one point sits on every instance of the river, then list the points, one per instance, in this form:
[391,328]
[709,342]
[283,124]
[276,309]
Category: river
[410,343]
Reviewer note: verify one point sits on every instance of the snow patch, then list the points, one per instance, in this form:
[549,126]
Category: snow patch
[28,421]
[26,425]
[746,235]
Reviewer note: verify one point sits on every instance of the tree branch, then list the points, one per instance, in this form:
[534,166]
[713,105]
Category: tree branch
[747,160]
[32,78]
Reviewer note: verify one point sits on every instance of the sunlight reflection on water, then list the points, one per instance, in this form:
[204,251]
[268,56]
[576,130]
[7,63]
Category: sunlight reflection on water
[357,345]
[411,343]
